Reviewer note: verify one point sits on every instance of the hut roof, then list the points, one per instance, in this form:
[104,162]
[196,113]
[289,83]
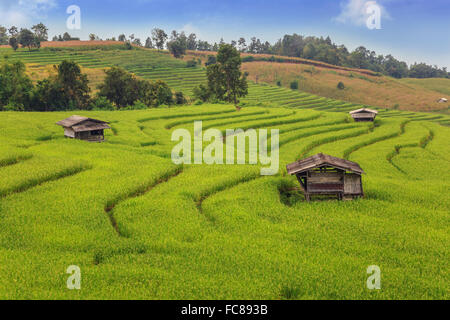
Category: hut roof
[80,124]
[320,160]
[365,110]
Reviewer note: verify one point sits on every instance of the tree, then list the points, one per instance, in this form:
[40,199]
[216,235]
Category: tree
[15,86]
[242,45]
[122,38]
[123,89]
[28,39]
[192,42]
[294,85]
[225,79]
[66,36]
[14,43]
[159,37]
[211,60]
[178,44]
[118,86]
[13,31]
[41,32]
[92,37]
[149,43]
[3,36]
[67,90]
[137,42]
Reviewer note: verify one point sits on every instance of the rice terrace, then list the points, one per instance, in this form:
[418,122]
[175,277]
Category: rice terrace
[98,188]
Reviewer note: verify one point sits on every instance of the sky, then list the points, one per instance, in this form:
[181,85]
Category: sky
[410,30]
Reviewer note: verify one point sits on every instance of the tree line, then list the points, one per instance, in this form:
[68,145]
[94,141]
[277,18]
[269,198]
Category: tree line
[68,89]
[313,48]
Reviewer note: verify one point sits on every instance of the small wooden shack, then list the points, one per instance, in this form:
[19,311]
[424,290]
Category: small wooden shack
[82,128]
[364,115]
[326,175]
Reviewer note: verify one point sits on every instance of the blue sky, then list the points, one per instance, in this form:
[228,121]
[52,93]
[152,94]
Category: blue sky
[412,30]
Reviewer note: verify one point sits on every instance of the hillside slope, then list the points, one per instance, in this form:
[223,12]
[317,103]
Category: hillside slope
[379,91]
[139,227]
[362,87]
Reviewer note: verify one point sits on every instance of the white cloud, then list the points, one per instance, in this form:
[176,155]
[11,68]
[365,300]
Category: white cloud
[355,12]
[22,12]
[190,28]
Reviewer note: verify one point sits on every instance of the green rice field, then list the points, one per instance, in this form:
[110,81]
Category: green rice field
[141,227]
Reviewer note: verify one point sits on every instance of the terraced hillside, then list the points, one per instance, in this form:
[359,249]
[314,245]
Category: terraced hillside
[148,64]
[265,95]
[140,226]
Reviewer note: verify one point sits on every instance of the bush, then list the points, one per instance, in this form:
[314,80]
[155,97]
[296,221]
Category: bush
[179,98]
[128,46]
[294,85]
[248,59]
[191,64]
[138,105]
[202,93]
[279,83]
[101,103]
[341,85]
[211,60]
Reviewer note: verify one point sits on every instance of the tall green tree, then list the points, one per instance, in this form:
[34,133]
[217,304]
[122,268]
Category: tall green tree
[41,32]
[14,43]
[3,36]
[225,79]
[178,44]
[149,43]
[15,86]
[159,38]
[28,39]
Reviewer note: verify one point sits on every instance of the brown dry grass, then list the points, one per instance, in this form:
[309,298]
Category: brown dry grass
[378,91]
[203,55]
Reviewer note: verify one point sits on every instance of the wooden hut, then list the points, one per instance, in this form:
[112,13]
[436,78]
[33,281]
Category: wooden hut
[82,128]
[326,175]
[364,115]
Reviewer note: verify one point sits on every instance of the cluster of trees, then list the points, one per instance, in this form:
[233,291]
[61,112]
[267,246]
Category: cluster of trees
[65,37]
[323,49]
[68,89]
[124,89]
[314,48]
[225,79]
[24,37]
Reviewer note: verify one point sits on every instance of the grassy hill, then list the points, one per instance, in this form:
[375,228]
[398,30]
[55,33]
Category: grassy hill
[361,86]
[316,80]
[140,227]
[439,85]
[148,64]
[379,91]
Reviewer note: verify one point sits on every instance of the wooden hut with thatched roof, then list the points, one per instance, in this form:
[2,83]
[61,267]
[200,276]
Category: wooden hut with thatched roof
[83,128]
[326,175]
[364,115]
